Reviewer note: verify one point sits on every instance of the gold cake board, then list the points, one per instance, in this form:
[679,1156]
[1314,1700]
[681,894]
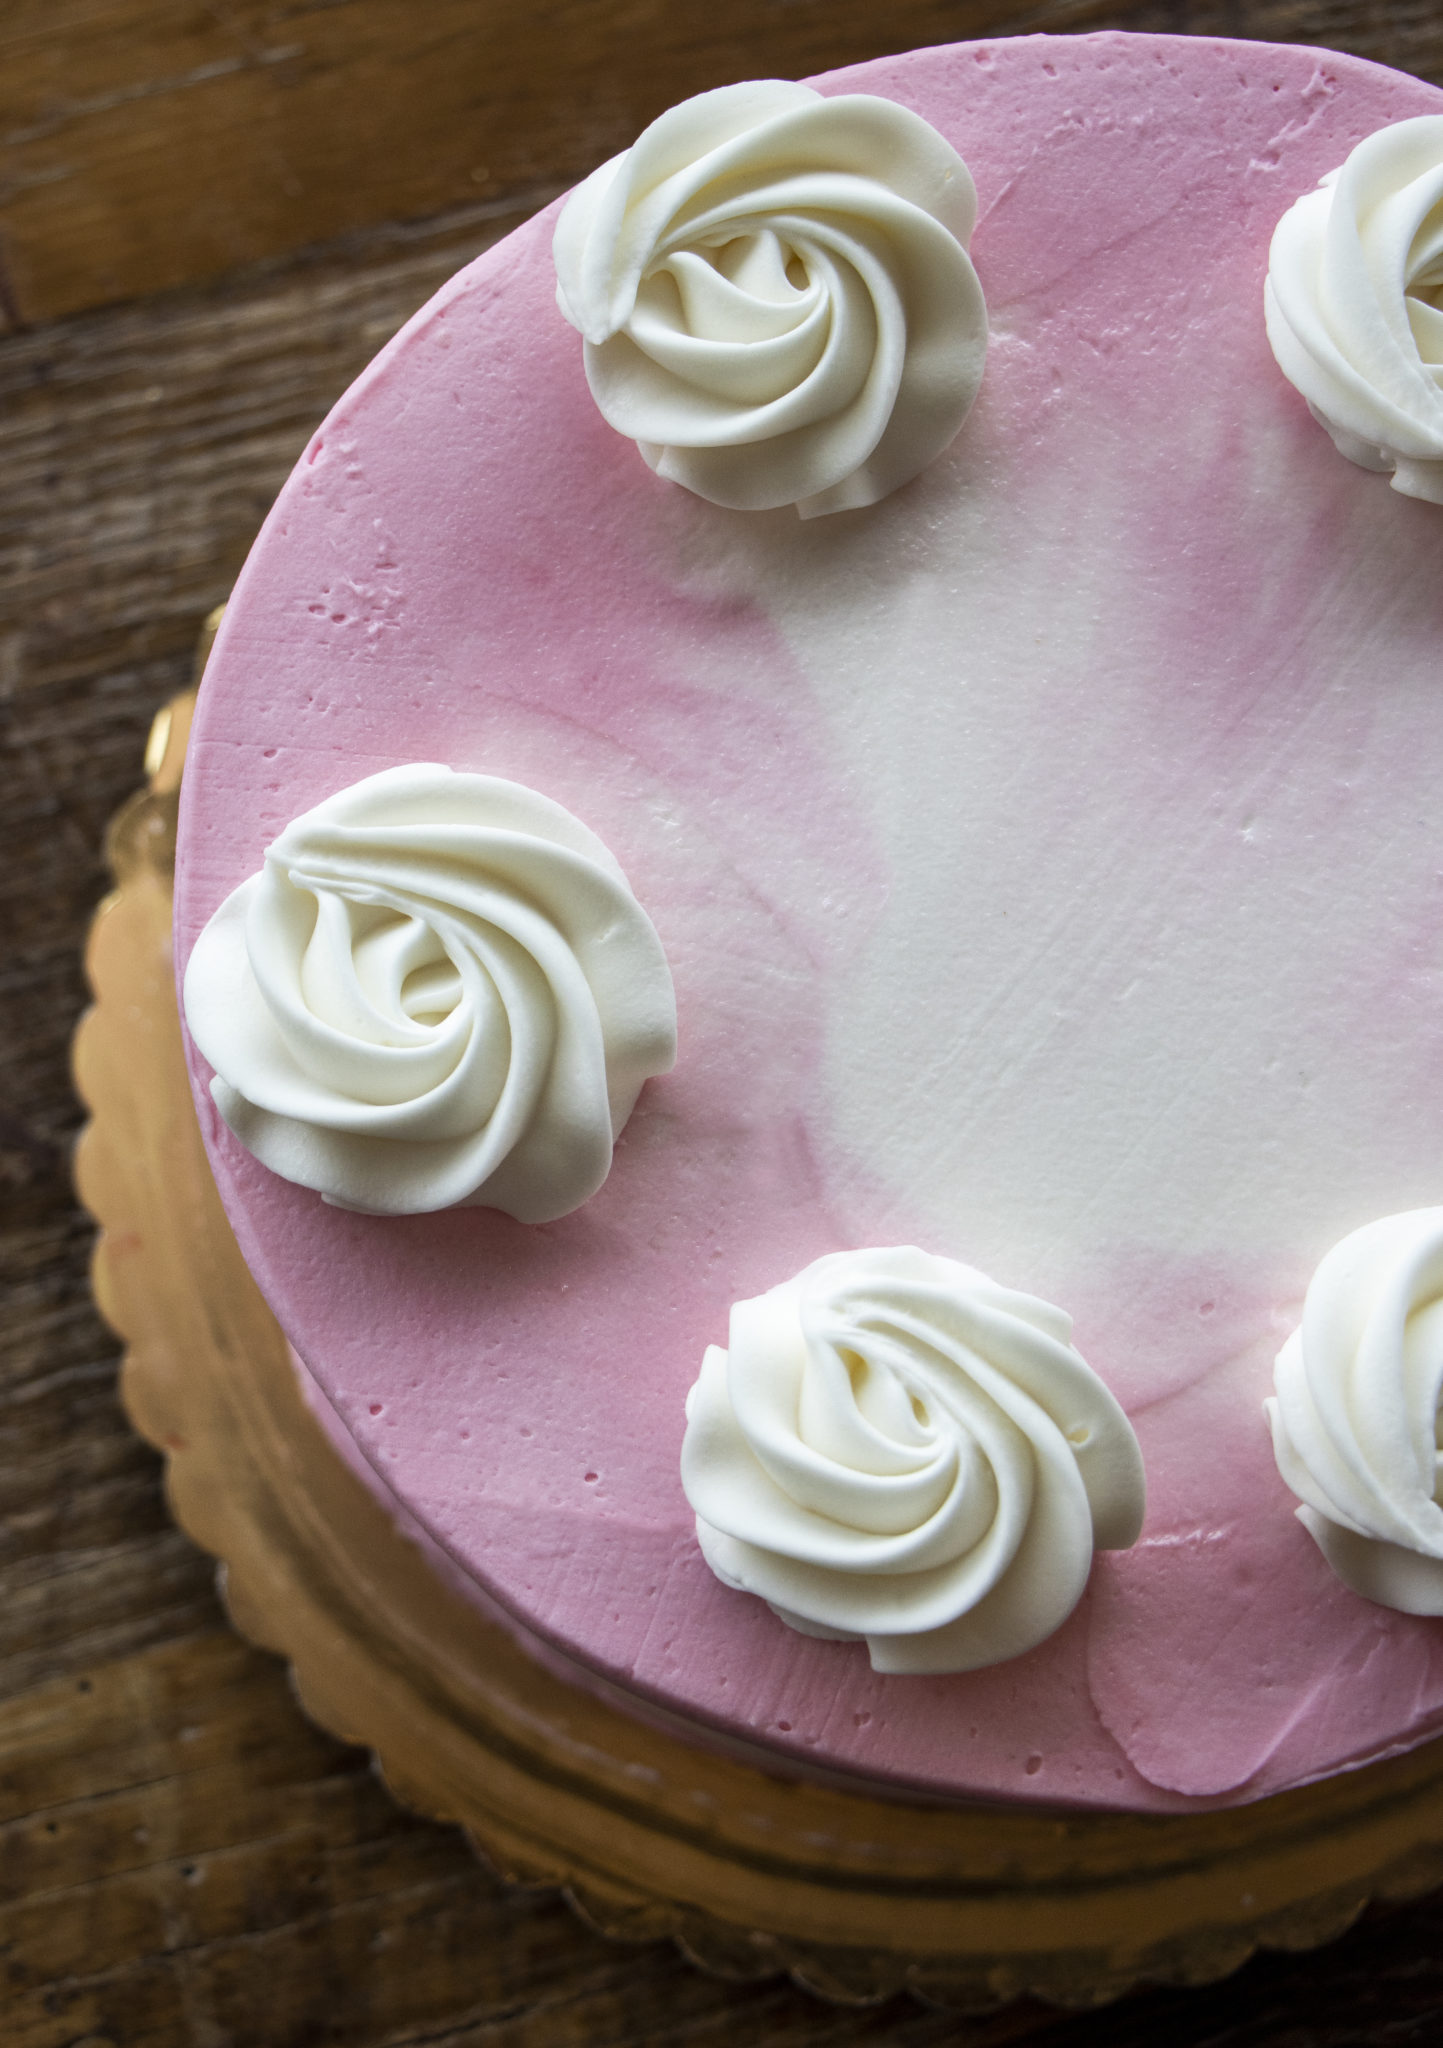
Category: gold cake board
[856,1896]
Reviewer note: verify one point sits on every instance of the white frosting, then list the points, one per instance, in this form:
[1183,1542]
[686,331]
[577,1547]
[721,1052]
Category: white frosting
[439,989]
[1355,1422]
[1354,302]
[895,1447]
[776,295]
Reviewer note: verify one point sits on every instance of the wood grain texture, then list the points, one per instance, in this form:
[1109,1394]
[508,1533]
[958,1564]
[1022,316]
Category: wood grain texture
[153,143]
[184,1861]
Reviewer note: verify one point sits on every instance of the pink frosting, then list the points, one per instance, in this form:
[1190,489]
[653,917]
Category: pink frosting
[469,566]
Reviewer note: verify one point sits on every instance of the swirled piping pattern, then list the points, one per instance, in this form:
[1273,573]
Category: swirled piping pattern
[1354,304]
[1355,1420]
[439,989]
[894,1447]
[776,296]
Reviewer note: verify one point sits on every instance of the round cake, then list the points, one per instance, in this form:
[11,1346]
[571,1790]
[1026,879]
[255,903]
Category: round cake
[1044,853]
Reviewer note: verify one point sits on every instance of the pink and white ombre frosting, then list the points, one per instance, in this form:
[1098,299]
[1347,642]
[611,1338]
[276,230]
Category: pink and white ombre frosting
[439,988]
[1354,303]
[1047,859]
[776,295]
[893,1447]
[1356,1416]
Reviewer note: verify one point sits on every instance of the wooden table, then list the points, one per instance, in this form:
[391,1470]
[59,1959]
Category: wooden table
[210,217]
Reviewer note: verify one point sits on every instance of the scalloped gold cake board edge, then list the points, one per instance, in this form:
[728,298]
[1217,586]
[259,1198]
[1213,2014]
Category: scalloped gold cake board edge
[857,1897]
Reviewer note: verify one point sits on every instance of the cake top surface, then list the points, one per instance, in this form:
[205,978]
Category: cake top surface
[1047,865]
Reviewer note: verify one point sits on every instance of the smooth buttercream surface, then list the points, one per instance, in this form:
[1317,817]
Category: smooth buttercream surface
[1047,862]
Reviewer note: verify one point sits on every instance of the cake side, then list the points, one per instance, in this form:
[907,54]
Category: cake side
[1043,860]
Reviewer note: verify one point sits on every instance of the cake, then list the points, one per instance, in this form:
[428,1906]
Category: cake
[1039,837]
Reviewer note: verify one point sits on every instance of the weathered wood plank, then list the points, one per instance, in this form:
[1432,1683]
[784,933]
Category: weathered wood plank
[188,1860]
[297,123]
[93,1838]
[152,143]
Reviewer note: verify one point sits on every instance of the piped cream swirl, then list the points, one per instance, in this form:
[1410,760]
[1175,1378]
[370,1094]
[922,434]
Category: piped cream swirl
[1354,303]
[1356,1418]
[894,1447]
[776,296]
[439,989]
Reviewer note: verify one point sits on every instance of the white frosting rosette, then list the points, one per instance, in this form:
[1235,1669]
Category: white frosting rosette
[1354,302]
[1356,1422]
[894,1447]
[439,989]
[776,295]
